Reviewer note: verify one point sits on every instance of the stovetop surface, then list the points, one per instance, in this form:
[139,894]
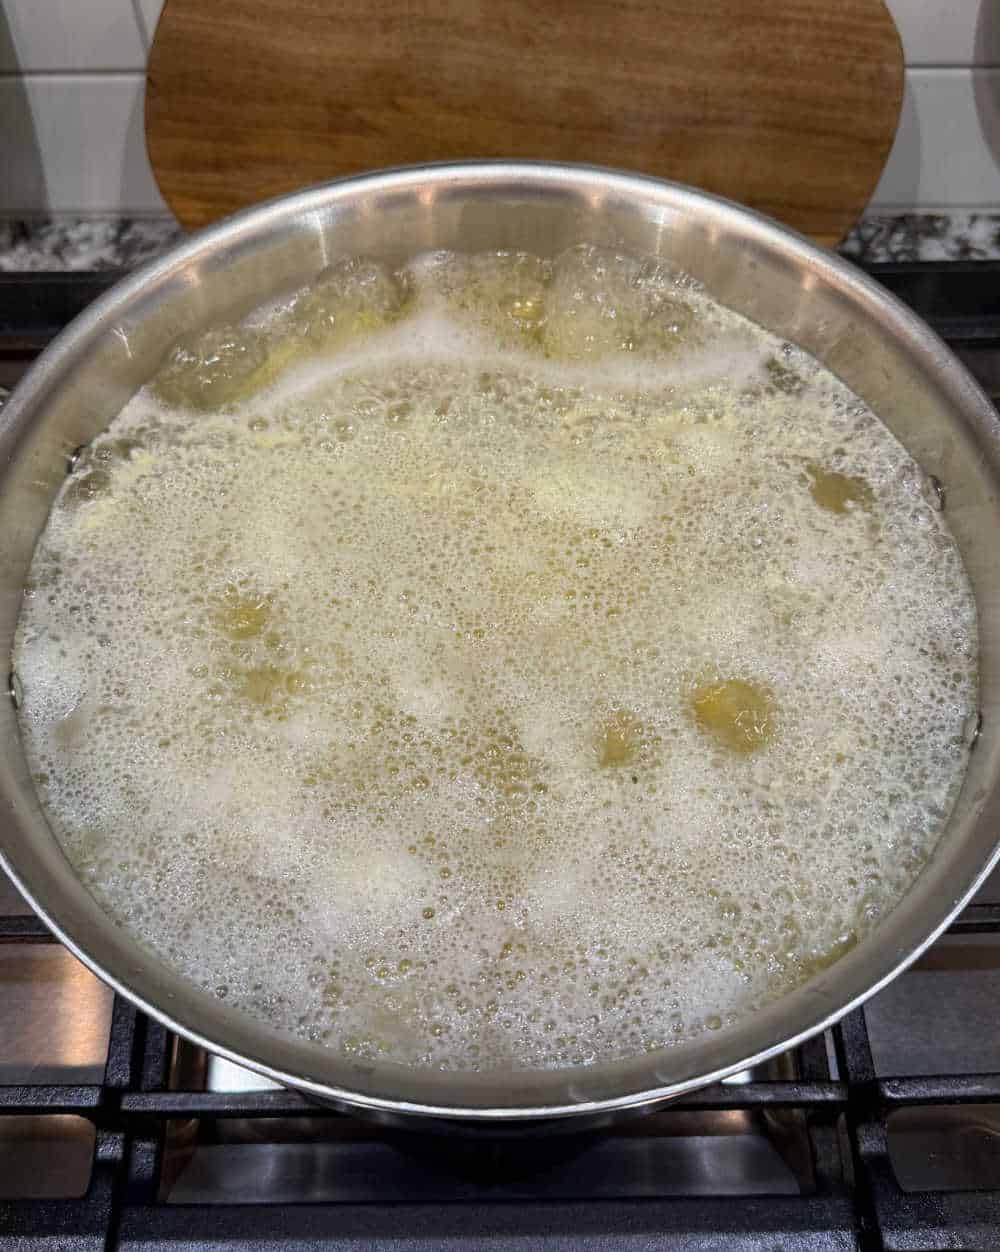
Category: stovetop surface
[882,1133]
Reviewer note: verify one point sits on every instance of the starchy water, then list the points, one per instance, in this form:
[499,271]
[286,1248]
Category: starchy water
[503,662]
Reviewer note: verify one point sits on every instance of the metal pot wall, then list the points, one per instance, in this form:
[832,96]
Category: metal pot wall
[884,353]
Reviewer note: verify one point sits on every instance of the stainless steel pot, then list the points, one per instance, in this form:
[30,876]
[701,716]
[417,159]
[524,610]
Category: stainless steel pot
[751,264]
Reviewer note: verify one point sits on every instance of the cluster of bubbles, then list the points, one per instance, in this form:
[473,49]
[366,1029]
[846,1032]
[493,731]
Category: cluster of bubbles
[505,662]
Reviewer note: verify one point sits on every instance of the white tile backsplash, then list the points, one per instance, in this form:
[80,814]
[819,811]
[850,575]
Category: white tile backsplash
[948,32]
[64,35]
[72,136]
[75,143]
[947,148]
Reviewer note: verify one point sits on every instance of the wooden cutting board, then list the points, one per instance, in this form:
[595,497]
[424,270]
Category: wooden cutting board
[786,105]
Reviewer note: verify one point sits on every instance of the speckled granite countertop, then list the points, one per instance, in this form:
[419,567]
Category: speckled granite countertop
[77,243]
[103,243]
[925,237]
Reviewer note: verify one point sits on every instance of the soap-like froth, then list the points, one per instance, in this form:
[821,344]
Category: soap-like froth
[555,667]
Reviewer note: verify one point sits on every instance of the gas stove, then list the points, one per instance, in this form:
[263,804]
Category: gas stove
[883,1133]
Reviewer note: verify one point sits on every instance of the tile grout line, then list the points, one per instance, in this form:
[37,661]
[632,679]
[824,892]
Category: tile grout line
[50,75]
[954,67]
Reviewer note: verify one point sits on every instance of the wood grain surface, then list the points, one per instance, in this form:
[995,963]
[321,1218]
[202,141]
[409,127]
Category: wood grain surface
[786,105]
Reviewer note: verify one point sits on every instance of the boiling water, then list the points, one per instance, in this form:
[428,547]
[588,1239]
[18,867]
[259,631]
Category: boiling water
[498,663]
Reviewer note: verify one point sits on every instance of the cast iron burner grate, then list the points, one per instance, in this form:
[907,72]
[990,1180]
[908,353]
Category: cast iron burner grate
[849,1195]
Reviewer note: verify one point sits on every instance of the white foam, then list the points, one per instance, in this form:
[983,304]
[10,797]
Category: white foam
[369,697]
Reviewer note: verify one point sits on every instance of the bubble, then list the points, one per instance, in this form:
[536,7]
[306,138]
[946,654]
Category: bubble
[352,297]
[213,369]
[602,304]
[502,293]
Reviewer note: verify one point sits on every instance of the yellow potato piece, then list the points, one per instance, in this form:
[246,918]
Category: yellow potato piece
[618,740]
[839,493]
[737,714]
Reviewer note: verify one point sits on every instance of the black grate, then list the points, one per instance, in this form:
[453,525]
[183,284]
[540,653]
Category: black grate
[853,1200]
